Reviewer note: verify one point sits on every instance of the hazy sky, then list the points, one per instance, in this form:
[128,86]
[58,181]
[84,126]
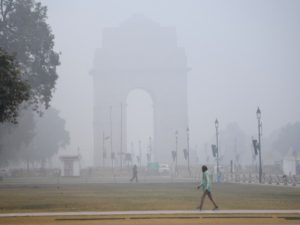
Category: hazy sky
[241,53]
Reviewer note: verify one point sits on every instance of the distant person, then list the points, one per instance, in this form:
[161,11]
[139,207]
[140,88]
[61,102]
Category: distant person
[134,174]
[206,187]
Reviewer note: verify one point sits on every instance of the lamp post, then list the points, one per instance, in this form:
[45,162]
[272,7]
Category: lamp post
[140,153]
[258,115]
[121,145]
[188,149]
[111,140]
[103,150]
[149,157]
[176,145]
[217,144]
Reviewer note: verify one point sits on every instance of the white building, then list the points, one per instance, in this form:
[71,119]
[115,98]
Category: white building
[70,165]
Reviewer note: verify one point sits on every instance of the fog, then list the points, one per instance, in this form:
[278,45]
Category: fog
[241,55]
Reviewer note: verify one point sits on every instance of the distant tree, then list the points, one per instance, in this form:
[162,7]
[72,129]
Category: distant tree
[232,143]
[25,34]
[16,137]
[13,90]
[51,135]
[34,138]
[288,138]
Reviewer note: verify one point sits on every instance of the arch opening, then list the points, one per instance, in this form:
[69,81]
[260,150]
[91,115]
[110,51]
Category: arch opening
[140,126]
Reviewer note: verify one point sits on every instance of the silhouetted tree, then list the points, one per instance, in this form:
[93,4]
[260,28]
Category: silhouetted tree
[16,137]
[288,137]
[13,90]
[232,143]
[34,138]
[51,135]
[25,34]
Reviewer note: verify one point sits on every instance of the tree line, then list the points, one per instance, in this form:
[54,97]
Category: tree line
[30,130]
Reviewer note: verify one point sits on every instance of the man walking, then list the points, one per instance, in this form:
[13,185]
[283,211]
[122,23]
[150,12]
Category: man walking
[134,174]
[206,187]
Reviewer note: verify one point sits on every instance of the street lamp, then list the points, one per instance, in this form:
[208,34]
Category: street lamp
[104,149]
[149,154]
[217,144]
[111,140]
[258,115]
[176,142]
[140,153]
[188,149]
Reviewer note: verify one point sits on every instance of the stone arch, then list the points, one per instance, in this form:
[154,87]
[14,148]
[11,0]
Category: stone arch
[140,54]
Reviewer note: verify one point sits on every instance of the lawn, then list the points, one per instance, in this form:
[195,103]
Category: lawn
[141,196]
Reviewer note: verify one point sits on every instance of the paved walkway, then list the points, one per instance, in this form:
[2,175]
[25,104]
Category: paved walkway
[158,212]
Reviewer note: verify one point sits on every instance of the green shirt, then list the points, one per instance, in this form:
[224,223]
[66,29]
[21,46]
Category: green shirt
[206,184]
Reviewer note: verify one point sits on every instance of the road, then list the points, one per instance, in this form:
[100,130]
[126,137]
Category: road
[155,217]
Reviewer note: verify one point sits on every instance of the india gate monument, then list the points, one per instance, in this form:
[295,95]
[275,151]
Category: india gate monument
[139,54]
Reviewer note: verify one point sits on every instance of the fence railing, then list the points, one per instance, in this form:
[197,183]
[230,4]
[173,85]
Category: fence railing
[273,179]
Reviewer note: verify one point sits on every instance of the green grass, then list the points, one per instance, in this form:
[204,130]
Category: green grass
[119,197]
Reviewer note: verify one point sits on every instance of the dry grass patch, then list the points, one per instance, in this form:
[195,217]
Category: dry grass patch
[124,197]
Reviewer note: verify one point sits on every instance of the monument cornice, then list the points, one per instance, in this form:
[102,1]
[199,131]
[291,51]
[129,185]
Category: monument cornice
[140,70]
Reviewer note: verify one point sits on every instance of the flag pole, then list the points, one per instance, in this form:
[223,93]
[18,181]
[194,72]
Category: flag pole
[111,139]
[103,149]
[121,146]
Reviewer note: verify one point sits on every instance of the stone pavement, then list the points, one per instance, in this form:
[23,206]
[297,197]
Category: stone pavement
[157,212]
